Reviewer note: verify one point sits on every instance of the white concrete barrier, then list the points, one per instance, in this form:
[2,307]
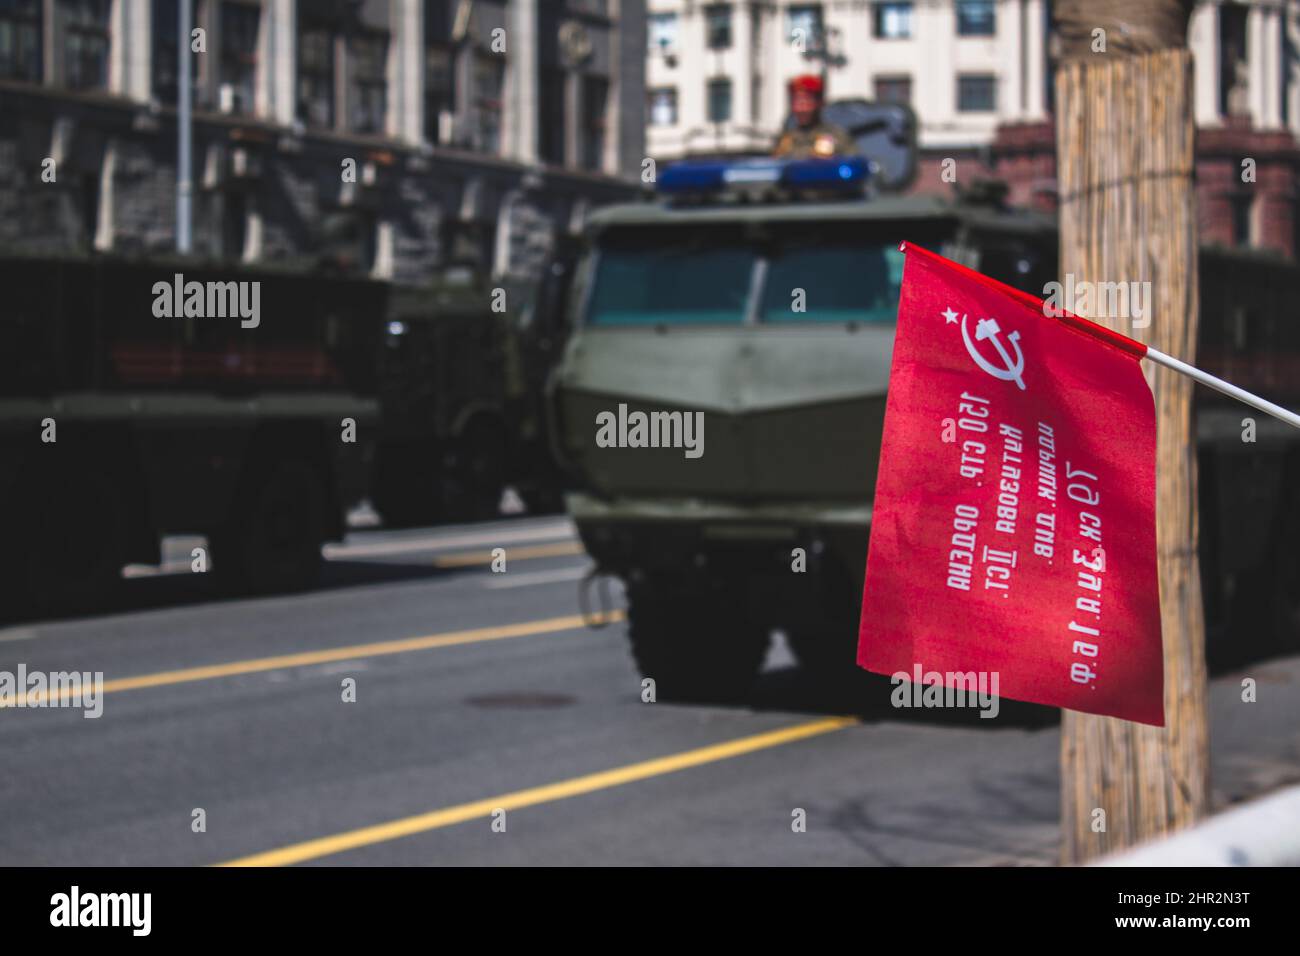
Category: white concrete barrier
[1264,832]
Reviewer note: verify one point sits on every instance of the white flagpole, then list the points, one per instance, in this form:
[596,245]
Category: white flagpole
[1227,388]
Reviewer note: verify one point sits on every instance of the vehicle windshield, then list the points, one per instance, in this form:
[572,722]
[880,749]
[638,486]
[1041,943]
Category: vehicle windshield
[706,277]
[685,282]
[833,282]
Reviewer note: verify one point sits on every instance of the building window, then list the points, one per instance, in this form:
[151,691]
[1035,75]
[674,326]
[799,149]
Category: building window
[439,74]
[719,101]
[1242,233]
[894,89]
[86,194]
[976,18]
[1234,70]
[234,224]
[439,91]
[240,23]
[717,19]
[663,106]
[662,32]
[84,27]
[367,82]
[354,240]
[553,110]
[342,69]
[166,50]
[805,26]
[595,98]
[976,93]
[20,40]
[892,21]
[489,83]
[316,67]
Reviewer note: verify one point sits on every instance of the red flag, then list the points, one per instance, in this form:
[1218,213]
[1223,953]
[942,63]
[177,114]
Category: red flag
[1013,531]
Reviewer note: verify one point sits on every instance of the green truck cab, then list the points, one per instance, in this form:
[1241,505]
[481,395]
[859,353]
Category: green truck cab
[770,324]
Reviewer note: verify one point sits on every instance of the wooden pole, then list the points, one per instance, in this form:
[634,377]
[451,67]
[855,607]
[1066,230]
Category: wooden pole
[1128,214]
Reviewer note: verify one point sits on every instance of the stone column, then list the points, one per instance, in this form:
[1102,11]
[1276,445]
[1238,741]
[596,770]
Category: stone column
[1274,76]
[521,105]
[742,104]
[406,72]
[934,91]
[1263,46]
[132,47]
[1010,38]
[1034,38]
[277,53]
[1291,68]
[1203,38]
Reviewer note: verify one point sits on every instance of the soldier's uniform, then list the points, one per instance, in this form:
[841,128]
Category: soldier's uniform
[815,142]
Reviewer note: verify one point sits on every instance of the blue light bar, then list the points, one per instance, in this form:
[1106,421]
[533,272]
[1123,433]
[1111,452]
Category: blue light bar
[843,175]
[840,172]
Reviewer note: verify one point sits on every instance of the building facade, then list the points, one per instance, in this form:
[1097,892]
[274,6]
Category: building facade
[383,137]
[979,76]
[716,72]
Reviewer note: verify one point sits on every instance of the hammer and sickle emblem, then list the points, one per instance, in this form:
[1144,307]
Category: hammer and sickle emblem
[987,329]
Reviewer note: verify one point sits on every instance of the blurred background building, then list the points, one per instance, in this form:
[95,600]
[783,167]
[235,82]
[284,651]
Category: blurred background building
[979,75]
[717,72]
[481,130]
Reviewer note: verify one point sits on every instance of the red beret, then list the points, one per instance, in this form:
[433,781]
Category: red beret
[809,83]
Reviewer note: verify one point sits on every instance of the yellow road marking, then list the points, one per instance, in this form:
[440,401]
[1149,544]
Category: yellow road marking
[468,558]
[352,652]
[394,829]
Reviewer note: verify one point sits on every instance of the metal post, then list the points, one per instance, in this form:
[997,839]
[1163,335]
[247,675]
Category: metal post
[1227,388]
[184,133]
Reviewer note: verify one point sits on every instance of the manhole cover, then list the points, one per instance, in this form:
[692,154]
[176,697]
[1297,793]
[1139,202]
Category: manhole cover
[521,700]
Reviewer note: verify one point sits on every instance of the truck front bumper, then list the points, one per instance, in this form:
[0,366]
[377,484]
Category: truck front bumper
[626,535]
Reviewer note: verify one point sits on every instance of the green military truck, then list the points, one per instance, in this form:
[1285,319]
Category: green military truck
[141,397]
[461,376]
[772,321]
[447,372]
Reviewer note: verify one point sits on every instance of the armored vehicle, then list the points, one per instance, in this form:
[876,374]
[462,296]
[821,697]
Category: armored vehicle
[770,324]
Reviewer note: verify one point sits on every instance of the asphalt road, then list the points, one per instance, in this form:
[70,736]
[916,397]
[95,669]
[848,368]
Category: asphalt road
[480,692]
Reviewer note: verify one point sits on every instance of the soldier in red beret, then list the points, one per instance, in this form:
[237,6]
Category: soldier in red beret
[811,137]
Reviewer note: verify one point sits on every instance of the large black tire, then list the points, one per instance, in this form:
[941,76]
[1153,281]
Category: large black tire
[407,487]
[696,644]
[68,532]
[826,648]
[476,472]
[826,641]
[543,499]
[272,540]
